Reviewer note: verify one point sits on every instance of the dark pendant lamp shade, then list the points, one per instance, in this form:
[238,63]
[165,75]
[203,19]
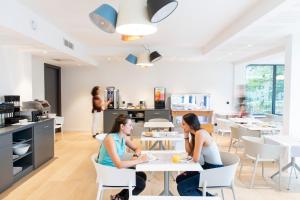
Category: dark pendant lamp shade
[155,56]
[160,9]
[105,18]
[132,59]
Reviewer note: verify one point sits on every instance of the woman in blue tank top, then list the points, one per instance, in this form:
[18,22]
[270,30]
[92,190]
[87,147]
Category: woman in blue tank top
[113,149]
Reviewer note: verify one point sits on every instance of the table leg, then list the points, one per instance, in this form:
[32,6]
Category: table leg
[166,191]
[153,146]
[283,169]
[161,146]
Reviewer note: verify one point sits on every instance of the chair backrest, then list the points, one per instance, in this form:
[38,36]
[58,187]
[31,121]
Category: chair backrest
[223,124]
[158,120]
[236,132]
[255,146]
[112,176]
[59,120]
[221,176]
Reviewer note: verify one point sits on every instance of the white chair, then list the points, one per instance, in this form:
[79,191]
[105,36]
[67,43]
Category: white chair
[235,140]
[223,126]
[257,151]
[113,178]
[221,177]
[59,122]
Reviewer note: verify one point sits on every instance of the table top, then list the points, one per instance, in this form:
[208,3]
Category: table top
[158,125]
[164,162]
[244,120]
[163,136]
[256,127]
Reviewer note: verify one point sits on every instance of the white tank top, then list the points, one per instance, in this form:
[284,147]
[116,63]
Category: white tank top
[210,154]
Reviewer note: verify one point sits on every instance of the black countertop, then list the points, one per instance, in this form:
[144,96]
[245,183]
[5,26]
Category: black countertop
[15,128]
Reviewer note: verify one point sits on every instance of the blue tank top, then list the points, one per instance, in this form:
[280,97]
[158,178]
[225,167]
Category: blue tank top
[120,146]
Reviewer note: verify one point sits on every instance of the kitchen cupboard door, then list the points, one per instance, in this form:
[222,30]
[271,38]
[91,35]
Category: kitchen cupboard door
[43,142]
[6,162]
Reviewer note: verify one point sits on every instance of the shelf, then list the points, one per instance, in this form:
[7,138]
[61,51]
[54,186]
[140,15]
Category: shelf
[26,169]
[24,141]
[22,156]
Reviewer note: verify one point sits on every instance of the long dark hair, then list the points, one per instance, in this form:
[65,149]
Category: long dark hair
[94,91]
[121,119]
[192,120]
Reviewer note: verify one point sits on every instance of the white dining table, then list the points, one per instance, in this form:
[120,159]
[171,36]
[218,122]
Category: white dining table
[158,125]
[164,164]
[244,120]
[292,145]
[262,128]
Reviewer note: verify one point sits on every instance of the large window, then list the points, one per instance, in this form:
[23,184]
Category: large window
[264,88]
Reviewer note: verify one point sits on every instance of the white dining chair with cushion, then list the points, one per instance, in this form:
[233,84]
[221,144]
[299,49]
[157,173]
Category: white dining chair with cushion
[59,122]
[223,126]
[113,178]
[221,177]
[257,151]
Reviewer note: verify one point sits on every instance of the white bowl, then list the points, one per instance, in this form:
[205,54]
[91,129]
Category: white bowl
[51,115]
[20,149]
[23,121]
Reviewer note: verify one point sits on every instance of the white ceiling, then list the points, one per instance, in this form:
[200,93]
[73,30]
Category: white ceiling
[195,25]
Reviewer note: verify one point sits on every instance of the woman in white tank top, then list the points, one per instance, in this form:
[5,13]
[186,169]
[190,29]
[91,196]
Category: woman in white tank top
[203,149]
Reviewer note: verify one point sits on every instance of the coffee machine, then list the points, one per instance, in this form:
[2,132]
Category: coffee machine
[112,94]
[159,98]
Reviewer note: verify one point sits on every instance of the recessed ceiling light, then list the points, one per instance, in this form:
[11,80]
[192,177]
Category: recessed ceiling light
[249,45]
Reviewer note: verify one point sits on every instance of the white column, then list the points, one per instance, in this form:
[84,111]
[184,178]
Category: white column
[291,119]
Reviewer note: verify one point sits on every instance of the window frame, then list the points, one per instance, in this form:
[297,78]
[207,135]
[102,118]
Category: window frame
[274,83]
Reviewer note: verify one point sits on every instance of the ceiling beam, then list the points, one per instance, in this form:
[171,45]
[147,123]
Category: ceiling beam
[259,55]
[259,10]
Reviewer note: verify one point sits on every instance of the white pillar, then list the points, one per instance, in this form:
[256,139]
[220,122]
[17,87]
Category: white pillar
[291,115]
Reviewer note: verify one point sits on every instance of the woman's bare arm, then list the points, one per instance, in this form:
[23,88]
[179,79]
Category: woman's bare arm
[132,146]
[199,141]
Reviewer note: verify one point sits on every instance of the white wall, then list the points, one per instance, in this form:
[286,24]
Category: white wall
[137,84]
[38,84]
[15,73]
[21,74]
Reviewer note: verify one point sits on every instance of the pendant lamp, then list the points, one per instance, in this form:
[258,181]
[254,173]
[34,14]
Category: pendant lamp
[105,18]
[127,38]
[133,18]
[132,59]
[155,56]
[160,9]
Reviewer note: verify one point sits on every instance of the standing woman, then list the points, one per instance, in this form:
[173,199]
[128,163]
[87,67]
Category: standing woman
[203,150]
[98,106]
[112,151]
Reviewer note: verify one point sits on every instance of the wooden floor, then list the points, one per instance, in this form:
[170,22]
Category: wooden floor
[71,176]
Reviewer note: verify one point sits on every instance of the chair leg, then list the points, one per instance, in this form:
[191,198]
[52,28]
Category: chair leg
[233,192]
[241,169]
[222,191]
[253,174]
[99,192]
[262,169]
[279,178]
[230,145]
